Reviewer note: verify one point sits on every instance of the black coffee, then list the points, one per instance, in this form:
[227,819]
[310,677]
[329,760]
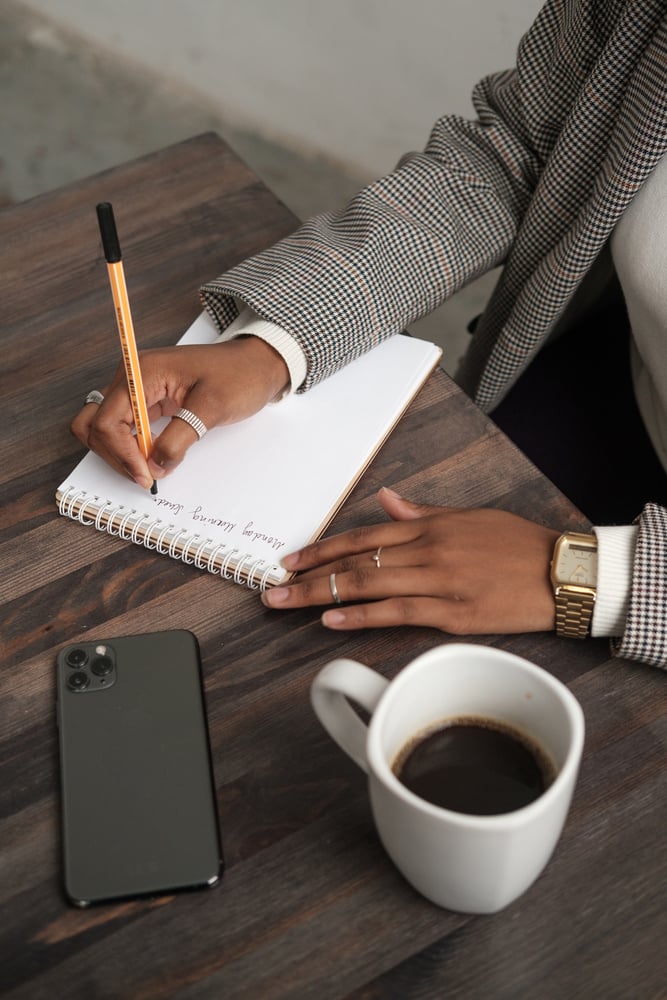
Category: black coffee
[474,765]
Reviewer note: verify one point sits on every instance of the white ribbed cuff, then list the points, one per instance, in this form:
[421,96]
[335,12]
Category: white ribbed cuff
[248,322]
[616,554]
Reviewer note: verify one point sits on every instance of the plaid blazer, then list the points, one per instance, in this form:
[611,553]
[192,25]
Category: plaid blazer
[537,182]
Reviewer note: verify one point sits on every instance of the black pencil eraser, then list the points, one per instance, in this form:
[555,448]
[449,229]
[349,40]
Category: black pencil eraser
[108,232]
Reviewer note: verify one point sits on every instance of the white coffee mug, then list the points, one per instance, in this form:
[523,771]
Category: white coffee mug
[469,863]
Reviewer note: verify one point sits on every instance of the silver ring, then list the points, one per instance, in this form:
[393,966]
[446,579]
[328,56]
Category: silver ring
[376,557]
[190,418]
[95,397]
[332,588]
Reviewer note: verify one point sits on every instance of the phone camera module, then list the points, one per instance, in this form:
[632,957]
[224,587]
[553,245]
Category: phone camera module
[89,667]
[77,657]
[78,681]
[102,666]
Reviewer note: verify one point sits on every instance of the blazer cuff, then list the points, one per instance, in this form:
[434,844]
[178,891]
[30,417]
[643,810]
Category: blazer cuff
[645,635]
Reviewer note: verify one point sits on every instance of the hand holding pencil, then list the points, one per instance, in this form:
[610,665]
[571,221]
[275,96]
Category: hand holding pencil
[220,383]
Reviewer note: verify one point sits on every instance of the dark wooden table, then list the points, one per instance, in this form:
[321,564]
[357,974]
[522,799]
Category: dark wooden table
[309,905]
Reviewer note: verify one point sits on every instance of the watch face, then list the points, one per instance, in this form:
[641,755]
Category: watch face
[577,564]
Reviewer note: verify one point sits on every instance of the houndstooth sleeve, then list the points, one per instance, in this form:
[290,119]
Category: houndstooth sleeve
[537,181]
[346,280]
[645,636]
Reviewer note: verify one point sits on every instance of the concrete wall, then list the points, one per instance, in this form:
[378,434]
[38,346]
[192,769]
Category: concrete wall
[359,81]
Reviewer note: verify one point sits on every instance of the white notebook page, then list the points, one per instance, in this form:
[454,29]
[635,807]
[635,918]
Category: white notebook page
[270,484]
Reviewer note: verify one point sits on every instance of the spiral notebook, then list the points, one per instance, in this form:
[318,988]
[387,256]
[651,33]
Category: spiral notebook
[249,493]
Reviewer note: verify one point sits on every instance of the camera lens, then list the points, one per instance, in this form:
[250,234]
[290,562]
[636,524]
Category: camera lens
[76,657]
[78,681]
[102,665]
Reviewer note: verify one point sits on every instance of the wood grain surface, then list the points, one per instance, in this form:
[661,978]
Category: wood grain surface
[309,906]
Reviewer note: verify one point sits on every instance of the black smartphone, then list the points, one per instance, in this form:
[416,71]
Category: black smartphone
[139,814]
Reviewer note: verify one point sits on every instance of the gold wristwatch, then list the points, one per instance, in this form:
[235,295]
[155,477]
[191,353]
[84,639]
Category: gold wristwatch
[574,575]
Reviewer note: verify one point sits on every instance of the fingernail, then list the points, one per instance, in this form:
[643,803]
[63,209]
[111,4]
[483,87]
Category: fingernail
[392,493]
[158,469]
[290,561]
[277,595]
[144,482]
[333,619]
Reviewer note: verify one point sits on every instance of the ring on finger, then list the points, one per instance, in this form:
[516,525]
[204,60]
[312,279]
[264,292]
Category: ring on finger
[94,396]
[376,557]
[333,588]
[198,426]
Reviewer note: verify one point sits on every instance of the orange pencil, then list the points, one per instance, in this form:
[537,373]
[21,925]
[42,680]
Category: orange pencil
[128,343]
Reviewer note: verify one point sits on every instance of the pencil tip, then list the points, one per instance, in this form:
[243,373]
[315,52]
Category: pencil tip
[154,488]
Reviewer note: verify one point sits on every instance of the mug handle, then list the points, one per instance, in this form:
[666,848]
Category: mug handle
[339,680]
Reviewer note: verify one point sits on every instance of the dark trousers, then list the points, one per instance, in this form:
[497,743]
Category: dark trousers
[573,412]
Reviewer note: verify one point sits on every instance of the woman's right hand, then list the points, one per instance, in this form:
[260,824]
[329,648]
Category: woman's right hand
[220,383]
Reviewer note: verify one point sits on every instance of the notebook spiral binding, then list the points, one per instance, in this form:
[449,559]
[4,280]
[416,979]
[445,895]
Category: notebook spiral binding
[167,539]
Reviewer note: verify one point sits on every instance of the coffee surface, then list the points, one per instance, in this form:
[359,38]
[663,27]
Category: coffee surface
[474,765]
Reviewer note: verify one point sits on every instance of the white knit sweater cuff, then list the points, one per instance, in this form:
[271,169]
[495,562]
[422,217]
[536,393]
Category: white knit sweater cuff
[616,553]
[248,322]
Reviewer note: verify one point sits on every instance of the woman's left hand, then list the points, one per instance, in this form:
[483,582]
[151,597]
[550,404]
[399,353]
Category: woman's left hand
[463,571]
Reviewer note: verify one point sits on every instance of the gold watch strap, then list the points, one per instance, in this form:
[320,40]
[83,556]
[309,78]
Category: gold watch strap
[574,610]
